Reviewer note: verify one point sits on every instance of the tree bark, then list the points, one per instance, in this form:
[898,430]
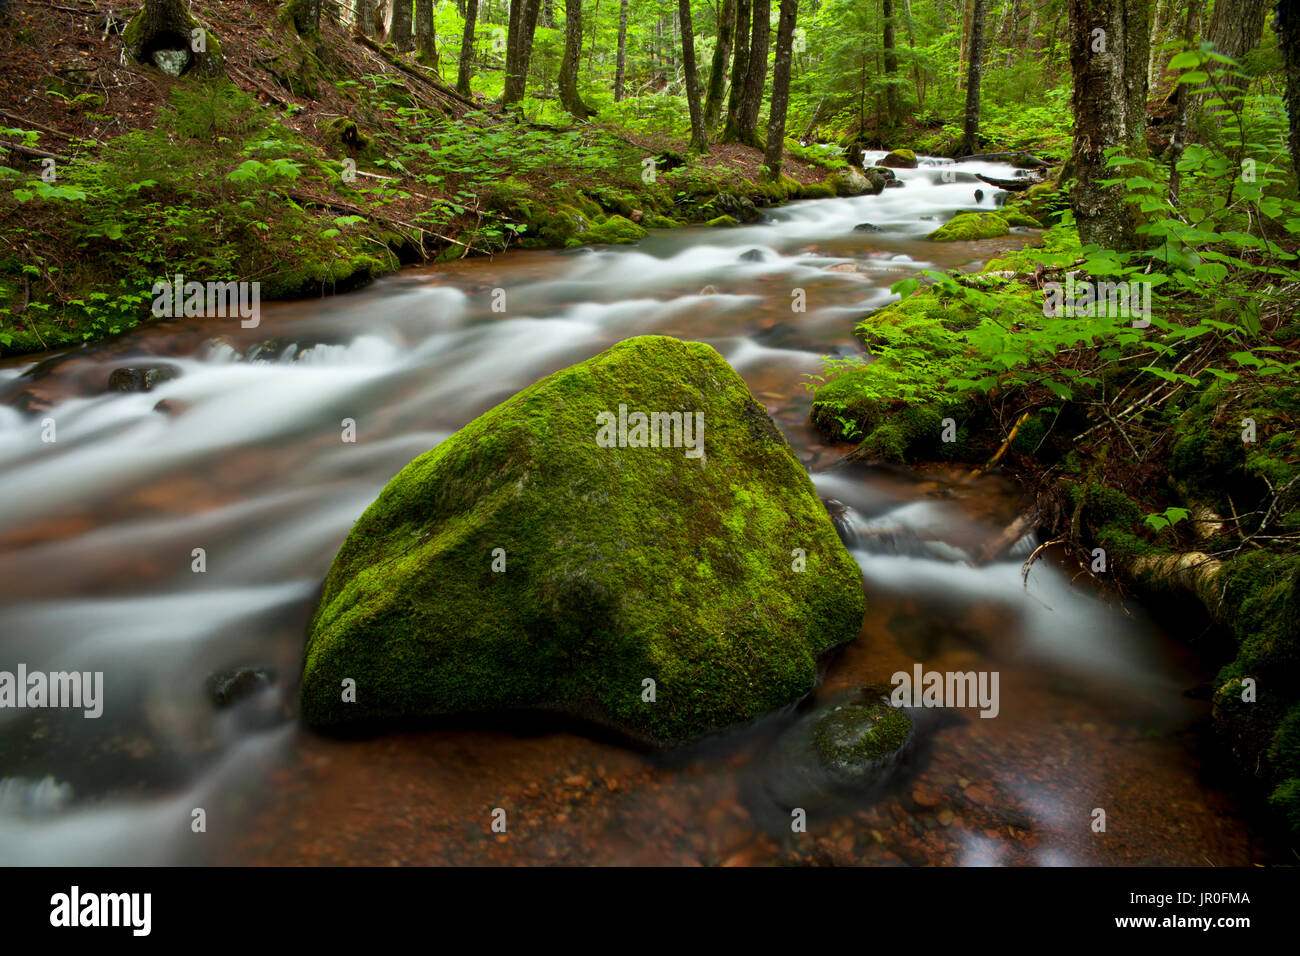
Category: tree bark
[365,18]
[718,73]
[1109,104]
[620,73]
[1287,25]
[465,69]
[699,141]
[167,24]
[1235,29]
[751,98]
[399,25]
[569,97]
[426,38]
[786,17]
[974,74]
[739,67]
[892,108]
[1182,103]
[519,49]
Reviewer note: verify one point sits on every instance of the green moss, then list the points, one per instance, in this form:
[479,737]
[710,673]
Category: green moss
[1016,216]
[723,221]
[622,564]
[615,229]
[900,158]
[971,225]
[860,733]
[661,222]
[818,191]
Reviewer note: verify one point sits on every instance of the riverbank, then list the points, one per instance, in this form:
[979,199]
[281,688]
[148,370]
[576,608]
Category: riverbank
[1158,446]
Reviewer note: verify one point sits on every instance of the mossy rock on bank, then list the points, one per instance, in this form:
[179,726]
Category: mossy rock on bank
[613,230]
[971,225]
[1017,216]
[818,191]
[899,159]
[725,222]
[661,222]
[614,566]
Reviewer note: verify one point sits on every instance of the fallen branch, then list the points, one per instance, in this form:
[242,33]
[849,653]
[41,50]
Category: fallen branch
[1006,538]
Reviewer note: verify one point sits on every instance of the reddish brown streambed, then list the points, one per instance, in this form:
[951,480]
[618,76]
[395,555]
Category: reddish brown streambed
[243,459]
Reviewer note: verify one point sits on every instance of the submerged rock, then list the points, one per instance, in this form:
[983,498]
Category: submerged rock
[524,563]
[141,379]
[867,227]
[844,753]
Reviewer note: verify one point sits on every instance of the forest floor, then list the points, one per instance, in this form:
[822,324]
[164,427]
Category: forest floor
[326,160]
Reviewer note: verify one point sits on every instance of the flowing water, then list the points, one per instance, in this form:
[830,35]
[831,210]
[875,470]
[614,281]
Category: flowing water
[243,455]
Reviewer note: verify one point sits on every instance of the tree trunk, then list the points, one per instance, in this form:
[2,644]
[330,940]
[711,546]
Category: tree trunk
[1182,103]
[721,54]
[699,141]
[548,14]
[427,39]
[620,73]
[304,15]
[167,25]
[399,25]
[1235,29]
[788,14]
[1108,59]
[365,18]
[569,97]
[1287,25]
[751,99]
[465,69]
[739,67]
[974,73]
[519,49]
[892,108]
[1159,22]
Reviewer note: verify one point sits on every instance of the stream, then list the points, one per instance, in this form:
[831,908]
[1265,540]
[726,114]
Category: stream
[242,455]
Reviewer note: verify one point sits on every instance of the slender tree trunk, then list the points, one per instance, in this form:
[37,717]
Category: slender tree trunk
[699,141]
[786,17]
[1183,103]
[974,74]
[739,68]
[1287,25]
[962,55]
[1159,22]
[620,71]
[569,97]
[721,54]
[426,38]
[1109,103]
[892,107]
[751,99]
[548,14]
[519,49]
[465,69]
[399,25]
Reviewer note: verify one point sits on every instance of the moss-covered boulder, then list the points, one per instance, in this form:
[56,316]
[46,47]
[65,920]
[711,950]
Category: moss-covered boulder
[899,159]
[971,225]
[524,564]
[725,222]
[1016,216]
[613,230]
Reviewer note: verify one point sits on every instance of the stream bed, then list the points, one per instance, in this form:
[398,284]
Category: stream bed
[242,455]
